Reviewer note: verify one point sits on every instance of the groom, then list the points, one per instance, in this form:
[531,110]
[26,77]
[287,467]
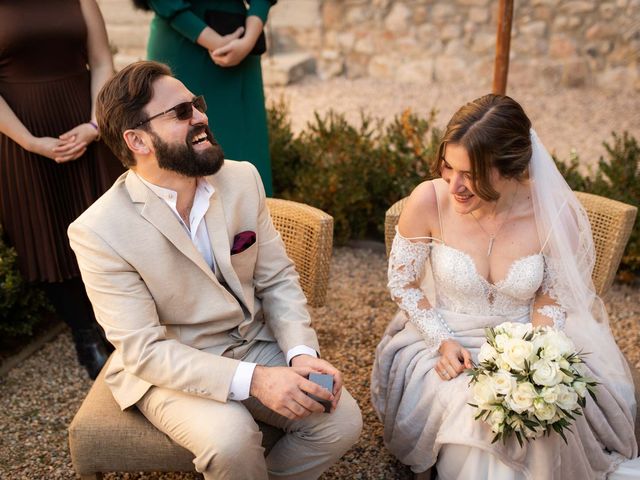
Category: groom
[192,285]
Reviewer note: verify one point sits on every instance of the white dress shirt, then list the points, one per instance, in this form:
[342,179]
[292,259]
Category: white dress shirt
[197,231]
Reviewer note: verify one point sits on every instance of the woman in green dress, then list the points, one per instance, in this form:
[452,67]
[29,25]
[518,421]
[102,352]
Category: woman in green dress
[220,67]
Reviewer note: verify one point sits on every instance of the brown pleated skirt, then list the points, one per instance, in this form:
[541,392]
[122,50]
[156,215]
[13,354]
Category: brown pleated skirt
[38,197]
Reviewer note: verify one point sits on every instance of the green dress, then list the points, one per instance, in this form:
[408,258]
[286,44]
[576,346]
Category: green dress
[234,95]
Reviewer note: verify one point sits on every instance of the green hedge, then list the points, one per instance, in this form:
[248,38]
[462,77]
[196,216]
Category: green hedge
[21,305]
[356,172]
[353,173]
[618,177]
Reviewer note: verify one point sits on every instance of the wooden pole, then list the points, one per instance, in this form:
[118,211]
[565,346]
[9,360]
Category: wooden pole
[503,44]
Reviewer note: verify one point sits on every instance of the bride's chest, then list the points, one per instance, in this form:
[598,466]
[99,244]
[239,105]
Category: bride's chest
[458,281]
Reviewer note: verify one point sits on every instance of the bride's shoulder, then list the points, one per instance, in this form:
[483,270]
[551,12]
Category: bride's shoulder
[427,195]
[421,210]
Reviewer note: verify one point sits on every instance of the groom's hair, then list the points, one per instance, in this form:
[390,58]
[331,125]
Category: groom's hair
[121,101]
[495,132]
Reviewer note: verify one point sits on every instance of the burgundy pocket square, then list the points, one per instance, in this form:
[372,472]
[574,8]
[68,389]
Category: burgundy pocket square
[242,241]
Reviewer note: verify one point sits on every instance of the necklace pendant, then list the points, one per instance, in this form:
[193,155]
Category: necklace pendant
[490,246]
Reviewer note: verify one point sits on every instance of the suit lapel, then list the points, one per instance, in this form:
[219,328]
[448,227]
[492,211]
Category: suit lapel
[160,216]
[219,237]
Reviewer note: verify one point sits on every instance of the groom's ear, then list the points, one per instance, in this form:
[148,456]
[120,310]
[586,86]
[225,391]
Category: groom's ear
[138,141]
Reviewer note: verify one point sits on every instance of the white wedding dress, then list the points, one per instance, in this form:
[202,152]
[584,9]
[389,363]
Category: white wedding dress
[428,421]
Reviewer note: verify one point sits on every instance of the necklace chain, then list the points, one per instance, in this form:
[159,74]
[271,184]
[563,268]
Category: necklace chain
[493,236]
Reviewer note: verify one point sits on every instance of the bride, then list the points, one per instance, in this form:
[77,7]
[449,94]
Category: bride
[499,237]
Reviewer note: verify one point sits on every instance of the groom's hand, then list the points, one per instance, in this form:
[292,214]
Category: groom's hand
[322,366]
[284,390]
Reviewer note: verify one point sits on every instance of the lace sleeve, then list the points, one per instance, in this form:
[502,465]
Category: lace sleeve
[550,287]
[406,269]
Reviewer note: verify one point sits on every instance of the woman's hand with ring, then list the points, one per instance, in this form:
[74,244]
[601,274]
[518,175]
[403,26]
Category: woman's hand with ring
[454,359]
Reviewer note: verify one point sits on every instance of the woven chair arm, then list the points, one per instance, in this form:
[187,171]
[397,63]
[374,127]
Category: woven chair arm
[391,220]
[611,224]
[307,233]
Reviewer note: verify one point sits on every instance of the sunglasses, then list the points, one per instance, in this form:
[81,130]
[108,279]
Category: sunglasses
[183,111]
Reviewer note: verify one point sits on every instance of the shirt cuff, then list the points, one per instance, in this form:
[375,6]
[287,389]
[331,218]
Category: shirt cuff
[300,350]
[241,381]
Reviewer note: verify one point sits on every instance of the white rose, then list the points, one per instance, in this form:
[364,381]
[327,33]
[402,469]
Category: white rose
[500,340]
[567,398]
[487,353]
[503,383]
[520,330]
[549,394]
[546,372]
[538,342]
[556,344]
[517,352]
[504,328]
[483,392]
[496,420]
[502,364]
[564,364]
[543,410]
[521,399]
[580,388]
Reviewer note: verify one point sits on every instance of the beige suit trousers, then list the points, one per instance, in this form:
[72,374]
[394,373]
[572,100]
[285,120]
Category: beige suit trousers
[226,441]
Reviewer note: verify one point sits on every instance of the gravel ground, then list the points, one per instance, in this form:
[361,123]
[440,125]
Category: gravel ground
[39,398]
[564,118]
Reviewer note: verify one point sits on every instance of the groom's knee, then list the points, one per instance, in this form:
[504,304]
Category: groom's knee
[237,454]
[345,423]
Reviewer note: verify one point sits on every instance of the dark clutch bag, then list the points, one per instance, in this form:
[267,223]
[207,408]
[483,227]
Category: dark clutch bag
[225,23]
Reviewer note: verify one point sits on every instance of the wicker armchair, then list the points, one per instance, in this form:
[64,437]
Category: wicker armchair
[102,438]
[611,224]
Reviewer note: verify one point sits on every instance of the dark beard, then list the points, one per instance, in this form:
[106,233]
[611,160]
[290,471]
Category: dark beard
[183,159]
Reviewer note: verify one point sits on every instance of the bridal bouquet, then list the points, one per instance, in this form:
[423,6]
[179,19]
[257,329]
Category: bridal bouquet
[529,382]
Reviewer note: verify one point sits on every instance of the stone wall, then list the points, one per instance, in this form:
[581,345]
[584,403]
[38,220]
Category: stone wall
[558,42]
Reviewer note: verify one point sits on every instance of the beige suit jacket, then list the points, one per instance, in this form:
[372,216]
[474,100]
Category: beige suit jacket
[160,304]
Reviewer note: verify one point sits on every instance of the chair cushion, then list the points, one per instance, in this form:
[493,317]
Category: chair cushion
[102,438]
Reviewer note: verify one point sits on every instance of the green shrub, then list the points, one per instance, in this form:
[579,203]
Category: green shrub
[618,178]
[284,149]
[352,173]
[408,149]
[21,305]
[335,168]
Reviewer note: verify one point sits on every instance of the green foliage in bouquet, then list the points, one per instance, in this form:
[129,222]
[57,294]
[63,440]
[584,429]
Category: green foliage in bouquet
[21,305]
[617,177]
[352,172]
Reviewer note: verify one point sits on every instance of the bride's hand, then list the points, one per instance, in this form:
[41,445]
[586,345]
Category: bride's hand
[454,359]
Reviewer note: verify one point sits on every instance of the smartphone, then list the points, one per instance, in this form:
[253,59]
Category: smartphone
[324,380]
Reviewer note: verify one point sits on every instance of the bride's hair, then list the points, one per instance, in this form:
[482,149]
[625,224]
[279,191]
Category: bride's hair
[494,130]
